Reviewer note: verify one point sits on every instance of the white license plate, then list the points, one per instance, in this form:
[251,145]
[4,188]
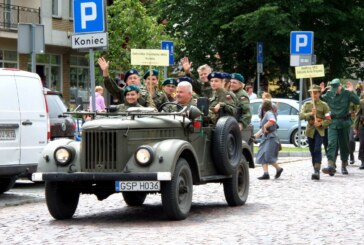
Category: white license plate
[137,185]
[7,134]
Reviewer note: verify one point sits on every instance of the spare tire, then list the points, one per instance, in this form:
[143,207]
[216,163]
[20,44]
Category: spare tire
[226,145]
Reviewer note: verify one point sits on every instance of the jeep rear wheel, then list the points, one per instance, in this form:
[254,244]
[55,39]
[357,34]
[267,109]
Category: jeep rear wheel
[134,198]
[236,189]
[6,184]
[61,200]
[226,145]
[177,193]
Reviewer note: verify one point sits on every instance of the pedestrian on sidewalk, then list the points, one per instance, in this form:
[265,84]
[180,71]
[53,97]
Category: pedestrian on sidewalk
[269,144]
[317,113]
[359,129]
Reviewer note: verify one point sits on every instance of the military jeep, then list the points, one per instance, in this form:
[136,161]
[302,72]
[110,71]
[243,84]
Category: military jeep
[145,152]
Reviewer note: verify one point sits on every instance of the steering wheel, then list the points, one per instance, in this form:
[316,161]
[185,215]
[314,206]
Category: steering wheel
[160,108]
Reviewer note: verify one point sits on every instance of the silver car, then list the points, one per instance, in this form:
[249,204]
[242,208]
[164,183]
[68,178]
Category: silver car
[287,120]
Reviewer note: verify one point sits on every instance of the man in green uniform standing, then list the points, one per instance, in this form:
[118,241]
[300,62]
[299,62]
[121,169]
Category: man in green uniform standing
[338,99]
[237,87]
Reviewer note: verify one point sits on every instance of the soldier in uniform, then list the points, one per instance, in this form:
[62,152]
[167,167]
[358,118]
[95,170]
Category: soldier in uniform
[359,128]
[237,87]
[222,102]
[132,95]
[169,88]
[318,117]
[352,110]
[183,97]
[158,98]
[131,77]
[201,86]
[338,99]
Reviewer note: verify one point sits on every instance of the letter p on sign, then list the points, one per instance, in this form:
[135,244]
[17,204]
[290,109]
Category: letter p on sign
[301,42]
[88,16]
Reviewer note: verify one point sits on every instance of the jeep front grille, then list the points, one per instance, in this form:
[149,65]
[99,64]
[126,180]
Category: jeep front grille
[100,151]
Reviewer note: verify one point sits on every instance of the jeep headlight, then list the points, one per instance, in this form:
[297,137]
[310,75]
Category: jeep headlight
[63,155]
[144,155]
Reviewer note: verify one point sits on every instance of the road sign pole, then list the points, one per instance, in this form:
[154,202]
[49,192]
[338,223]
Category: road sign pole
[92,78]
[258,82]
[299,110]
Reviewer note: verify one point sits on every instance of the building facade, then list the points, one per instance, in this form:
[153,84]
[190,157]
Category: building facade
[60,67]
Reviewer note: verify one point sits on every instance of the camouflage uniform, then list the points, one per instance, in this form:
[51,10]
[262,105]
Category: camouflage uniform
[202,89]
[124,107]
[228,102]
[244,107]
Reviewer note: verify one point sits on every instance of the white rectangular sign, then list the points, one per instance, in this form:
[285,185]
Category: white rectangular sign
[150,57]
[93,40]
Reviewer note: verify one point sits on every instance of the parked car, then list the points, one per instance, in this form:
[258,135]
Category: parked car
[23,124]
[61,126]
[288,111]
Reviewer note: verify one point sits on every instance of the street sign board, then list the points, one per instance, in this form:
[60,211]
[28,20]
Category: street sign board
[93,40]
[301,42]
[260,67]
[150,57]
[301,60]
[88,16]
[310,71]
[168,45]
[26,37]
[260,56]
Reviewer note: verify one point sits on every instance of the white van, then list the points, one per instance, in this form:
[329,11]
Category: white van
[24,124]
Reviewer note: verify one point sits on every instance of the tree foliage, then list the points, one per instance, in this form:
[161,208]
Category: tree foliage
[130,27]
[231,29]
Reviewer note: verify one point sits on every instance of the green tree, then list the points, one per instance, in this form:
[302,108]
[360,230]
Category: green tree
[231,28]
[130,27]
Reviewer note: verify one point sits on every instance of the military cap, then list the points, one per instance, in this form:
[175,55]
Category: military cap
[185,79]
[170,81]
[154,73]
[315,88]
[226,75]
[335,84]
[215,74]
[238,76]
[131,87]
[130,72]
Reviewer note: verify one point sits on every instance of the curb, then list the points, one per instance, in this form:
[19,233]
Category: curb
[291,154]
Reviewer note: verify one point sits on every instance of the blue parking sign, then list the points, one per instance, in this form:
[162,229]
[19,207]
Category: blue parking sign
[88,16]
[301,42]
[168,45]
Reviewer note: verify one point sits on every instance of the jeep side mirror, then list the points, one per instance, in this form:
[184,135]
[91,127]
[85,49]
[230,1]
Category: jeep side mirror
[111,108]
[193,112]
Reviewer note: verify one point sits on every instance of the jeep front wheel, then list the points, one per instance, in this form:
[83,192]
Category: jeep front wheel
[134,198]
[236,189]
[61,200]
[177,193]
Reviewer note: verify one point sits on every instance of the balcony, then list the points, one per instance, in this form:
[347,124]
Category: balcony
[11,15]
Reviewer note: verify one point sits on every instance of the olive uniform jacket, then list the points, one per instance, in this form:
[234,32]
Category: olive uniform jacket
[244,107]
[228,102]
[359,118]
[339,106]
[322,112]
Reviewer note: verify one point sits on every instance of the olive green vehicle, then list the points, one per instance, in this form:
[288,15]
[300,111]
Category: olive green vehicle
[141,152]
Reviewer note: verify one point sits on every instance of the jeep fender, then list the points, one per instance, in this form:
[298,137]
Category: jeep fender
[46,162]
[248,154]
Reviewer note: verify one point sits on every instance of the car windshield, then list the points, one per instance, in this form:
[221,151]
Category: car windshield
[56,106]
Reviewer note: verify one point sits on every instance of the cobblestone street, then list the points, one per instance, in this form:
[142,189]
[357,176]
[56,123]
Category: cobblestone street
[291,210]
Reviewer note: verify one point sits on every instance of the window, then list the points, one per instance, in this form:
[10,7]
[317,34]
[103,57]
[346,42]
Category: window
[80,78]
[57,8]
[8,59]
[70,2]
[283,109]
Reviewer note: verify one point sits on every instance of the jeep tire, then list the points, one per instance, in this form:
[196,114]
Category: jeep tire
[226,145]
[177,193]
[61,200]
[6,184]
[134,198]
[236,189]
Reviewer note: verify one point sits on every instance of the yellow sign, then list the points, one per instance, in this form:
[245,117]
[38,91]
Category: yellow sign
[310,71]
[150,57]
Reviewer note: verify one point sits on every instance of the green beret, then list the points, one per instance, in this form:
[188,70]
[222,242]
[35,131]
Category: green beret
[131,87]
[238,76]
[170,81]
[154,73]
[315,88]
[335,84]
